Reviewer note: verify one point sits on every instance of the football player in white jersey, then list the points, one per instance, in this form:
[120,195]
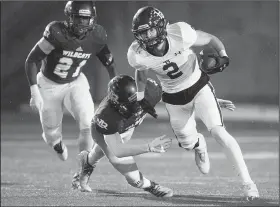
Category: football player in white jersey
[167,50]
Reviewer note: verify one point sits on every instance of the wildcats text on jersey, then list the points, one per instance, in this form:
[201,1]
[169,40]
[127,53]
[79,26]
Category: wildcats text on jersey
[76,54]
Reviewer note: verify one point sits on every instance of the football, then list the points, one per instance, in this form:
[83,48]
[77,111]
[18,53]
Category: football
[209,62]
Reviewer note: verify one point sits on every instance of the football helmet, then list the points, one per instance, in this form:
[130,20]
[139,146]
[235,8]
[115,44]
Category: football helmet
[143,21]
[81,16]
[122,95]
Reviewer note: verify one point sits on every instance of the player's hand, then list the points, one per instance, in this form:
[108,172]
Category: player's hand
[36,101]
[160,144]
[227,104]
[148,108]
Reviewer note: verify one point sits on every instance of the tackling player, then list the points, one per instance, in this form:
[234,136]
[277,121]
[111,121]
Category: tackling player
[114,123]
[166,49]
[64,49]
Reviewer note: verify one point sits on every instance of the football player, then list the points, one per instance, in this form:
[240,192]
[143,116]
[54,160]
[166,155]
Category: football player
[114,123]
[167,50]
[62,52]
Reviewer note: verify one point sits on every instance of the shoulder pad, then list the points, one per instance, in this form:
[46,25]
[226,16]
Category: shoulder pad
[53,32]
[100,34]
[132,54]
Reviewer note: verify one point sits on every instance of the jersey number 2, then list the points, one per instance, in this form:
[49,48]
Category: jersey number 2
[174,72]
[64,64]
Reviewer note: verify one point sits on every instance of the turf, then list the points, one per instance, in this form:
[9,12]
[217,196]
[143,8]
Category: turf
[32,175]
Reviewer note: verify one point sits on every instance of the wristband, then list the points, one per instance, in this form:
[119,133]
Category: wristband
[223,53]
[140,95]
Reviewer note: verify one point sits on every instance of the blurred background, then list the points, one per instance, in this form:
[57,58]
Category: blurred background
[249,31]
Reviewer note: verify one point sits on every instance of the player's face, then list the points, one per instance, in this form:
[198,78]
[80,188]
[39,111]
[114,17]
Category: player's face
[81,24]
[149,37]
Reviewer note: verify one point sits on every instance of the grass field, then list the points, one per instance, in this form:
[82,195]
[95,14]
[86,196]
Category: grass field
[31,174]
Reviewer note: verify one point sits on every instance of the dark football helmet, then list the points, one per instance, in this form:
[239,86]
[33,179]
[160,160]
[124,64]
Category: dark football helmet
[146,18]
[122,95]
[81,16]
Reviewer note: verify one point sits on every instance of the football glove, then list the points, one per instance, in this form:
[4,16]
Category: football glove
[36,101]
[221,63]
[160,144]
[148,108]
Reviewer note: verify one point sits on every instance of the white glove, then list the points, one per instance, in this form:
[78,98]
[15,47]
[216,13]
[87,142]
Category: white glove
[160,144]
[36,101]
[226,104]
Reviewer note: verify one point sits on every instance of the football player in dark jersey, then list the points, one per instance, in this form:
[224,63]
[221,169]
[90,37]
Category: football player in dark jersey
[113,125]
[64,49]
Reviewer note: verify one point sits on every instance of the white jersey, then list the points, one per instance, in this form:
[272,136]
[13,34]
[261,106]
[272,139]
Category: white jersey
[178,69]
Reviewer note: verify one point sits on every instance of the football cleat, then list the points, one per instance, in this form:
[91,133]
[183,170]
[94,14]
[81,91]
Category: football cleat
[201,156]
[76,181]
[86,171]
[250,191]
[61,150]
[159,191]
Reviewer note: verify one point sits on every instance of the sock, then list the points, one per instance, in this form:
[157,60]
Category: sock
[234,154]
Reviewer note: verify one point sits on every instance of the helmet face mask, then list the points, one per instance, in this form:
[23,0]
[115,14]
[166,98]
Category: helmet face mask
[81,16]
[149,20]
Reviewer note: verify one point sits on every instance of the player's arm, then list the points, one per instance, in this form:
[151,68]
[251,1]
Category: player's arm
[206,39]
[103,52]
[41,49]
[141,76]
[112,144]
[106,58]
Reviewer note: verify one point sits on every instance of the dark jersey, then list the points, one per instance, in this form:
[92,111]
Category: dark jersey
[65,62]
[108,120]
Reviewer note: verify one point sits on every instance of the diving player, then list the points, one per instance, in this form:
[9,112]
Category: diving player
[114,123]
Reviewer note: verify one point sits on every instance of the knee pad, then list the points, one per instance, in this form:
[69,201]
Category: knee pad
[189,142]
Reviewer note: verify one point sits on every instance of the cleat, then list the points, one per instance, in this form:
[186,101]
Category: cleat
[86,171]
[61,150]
[76,181]
[159,191]
[201,156]
[250,191]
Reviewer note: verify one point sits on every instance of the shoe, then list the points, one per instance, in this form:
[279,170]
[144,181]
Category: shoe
[86,171]
[201,156]
[159,191]
[250,191]
[76,181]
[61,150]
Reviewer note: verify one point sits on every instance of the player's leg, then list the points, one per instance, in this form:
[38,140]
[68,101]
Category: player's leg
[208,110]
[88,162]
[51,115]
[79,103]
[182,120]
[127,167]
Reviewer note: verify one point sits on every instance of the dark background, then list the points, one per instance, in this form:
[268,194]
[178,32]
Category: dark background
[249,31]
